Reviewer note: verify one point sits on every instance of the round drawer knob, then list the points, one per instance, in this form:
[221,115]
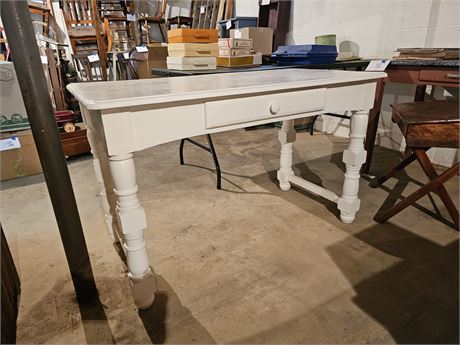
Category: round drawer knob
[274,108]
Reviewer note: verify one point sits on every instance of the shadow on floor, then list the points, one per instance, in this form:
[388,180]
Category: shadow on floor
[60,314]
[416,299]
[95,324]
[162,326]
[303,171]
[168,321]
[395,196]
[406,283]
[385,160]
[22,182]
[226,181]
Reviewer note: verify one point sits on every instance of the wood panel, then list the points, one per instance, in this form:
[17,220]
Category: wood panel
[196,13]
[228,9]
[433,135]
[207,13]
[58,91]
[201,15]
[220,12]
[215,10]
[11,288]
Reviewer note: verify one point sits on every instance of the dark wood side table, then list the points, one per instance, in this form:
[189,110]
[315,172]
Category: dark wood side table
[425,125]
[444,73]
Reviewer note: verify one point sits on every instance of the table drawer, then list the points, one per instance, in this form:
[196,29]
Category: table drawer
[248,109]
[440,76]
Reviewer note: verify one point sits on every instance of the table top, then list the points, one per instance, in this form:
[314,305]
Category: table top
[119,94]
[165,72]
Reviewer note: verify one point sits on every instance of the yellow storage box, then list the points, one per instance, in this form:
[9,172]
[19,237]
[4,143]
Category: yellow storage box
[236,61]
[193,49]
[191,63]
[193,36]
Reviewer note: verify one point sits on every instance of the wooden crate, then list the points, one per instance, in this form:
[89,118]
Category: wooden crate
[75,143]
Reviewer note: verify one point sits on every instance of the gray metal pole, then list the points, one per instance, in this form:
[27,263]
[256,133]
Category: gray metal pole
[26,58]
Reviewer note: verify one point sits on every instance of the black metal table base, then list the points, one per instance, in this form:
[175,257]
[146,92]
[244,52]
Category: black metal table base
[210,149]
[311,124]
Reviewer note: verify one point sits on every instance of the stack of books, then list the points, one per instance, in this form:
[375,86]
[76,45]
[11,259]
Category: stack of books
[192,49]
[237,52]
[427,54]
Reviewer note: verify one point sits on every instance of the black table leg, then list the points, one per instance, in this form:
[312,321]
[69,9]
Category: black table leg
[210,149]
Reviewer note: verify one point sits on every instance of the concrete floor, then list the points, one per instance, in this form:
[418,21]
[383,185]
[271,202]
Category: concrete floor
[248,264]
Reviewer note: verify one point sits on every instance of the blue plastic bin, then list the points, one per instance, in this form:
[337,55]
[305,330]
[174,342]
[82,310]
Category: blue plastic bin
[305,54]
[237,23]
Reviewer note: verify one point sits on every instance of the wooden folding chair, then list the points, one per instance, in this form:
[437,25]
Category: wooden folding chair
[84,28]
[158,19]
[87,71]
[43,9]
[425,125]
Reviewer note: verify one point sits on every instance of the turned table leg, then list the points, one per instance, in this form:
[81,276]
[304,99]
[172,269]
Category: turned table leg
[97,164]
[131,218]
[354,156]
[286,136]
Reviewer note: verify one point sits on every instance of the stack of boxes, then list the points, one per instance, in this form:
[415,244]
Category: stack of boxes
[262,38]
[192,49]
[236,52]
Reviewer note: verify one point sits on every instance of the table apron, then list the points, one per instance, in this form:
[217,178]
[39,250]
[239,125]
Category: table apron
[445,77]
[137,128]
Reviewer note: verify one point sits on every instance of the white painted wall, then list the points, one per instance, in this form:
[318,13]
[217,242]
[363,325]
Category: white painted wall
[375,29]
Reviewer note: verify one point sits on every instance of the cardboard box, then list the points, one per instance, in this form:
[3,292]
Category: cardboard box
[234,51]
[225,43]
[262,38]
[157,51]
[154,58]
[144,68]
[13,114]
[19,162]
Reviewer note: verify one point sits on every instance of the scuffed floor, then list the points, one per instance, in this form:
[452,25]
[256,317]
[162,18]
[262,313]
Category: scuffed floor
[247,264]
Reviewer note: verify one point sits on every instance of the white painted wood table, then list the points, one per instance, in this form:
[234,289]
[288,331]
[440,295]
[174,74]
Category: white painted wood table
[127,116]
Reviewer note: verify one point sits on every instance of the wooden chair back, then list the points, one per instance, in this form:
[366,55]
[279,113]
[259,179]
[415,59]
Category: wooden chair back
[77,13]
[126,69]
[161,9]
[86,70]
